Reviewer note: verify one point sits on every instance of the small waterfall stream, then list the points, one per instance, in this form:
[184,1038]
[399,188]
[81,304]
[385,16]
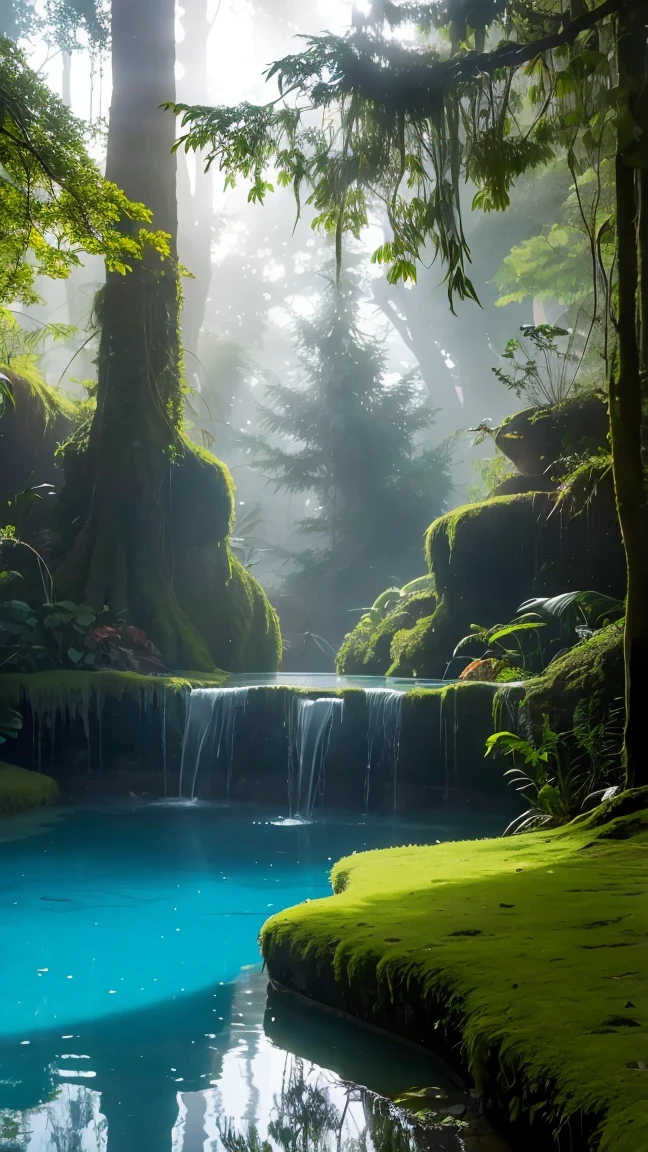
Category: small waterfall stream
[309,734]
[384,713]
[213,717]
[209,732]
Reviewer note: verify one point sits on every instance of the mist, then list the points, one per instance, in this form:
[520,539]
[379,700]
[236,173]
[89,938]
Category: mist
[251,272]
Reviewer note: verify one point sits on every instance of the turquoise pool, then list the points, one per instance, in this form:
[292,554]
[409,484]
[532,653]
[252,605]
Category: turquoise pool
[133,1009]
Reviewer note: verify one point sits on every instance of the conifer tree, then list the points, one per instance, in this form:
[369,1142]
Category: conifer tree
[347,435]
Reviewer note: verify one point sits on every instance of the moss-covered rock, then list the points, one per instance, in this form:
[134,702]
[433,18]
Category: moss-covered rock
[536,438]
[30,431]
[487,558]
[21,789]
[367,649]
[523,951]
[91,723]
[517,484]
[590,675]
[224,603]
[220,597]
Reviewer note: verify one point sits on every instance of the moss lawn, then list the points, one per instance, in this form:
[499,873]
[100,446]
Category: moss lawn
[537,945]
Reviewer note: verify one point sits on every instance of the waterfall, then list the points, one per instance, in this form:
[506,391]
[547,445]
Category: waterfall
[384,714]
[211,722]
[309,734]
[209,732]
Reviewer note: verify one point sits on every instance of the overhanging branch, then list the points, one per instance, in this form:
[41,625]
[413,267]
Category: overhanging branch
[406,79]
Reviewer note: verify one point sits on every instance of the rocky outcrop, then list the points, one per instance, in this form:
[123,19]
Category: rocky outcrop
[549,535]
[536,439]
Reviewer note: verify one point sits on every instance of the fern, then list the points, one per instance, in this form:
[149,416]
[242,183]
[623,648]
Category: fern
[21,352]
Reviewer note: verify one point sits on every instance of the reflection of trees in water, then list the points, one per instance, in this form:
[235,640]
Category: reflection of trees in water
[67,1127]
[70,1116]
[304,1114]
[14,1130]
[389,1129]
[305,1119]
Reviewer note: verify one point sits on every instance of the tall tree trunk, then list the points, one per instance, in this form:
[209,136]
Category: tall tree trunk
[197,208]
[120,558]
[629,383]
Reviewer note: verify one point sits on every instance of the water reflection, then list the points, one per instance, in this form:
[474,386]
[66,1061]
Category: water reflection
[232,1089]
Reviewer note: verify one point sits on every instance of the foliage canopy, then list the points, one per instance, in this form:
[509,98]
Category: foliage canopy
[54,203]
[400,126]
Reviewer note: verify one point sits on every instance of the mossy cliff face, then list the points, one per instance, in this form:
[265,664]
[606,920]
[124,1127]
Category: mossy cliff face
[528,949]
[441,749]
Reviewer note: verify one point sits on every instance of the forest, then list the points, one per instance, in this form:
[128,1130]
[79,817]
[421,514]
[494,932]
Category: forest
[323,533]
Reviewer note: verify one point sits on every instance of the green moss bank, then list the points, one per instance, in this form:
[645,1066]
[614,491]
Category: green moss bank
[21,789]
[532,946]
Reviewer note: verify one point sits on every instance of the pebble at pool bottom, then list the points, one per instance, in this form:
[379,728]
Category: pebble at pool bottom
[132,1003]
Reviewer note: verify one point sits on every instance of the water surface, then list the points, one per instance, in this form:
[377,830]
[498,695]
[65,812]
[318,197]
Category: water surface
[133,1010]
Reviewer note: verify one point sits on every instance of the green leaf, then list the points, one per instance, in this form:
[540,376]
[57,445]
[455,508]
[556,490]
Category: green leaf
[75,655]
[85,616]
[511,629]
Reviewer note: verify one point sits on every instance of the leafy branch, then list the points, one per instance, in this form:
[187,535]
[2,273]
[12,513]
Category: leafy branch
[398,127]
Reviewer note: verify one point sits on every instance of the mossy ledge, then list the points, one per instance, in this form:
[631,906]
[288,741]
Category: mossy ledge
[530,947]
[21,789]
[49,694]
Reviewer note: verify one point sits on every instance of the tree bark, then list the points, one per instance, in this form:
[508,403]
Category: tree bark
[628,385]
[197,207]
[121,556]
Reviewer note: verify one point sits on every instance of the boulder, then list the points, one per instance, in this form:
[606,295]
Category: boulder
[535,438]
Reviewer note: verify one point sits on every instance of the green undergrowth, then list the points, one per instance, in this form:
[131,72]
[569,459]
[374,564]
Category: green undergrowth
[21,789]
[535,945]
[31,388]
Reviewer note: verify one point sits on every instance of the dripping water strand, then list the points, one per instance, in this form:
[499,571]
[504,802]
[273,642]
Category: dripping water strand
[209,733]
[310,723]
[384,717]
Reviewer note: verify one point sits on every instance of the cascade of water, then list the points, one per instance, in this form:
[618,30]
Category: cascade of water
[209,731]
[309,734]
[384,714]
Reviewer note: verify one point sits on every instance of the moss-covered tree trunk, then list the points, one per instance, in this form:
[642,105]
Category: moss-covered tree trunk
[121,555]
[629,379]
